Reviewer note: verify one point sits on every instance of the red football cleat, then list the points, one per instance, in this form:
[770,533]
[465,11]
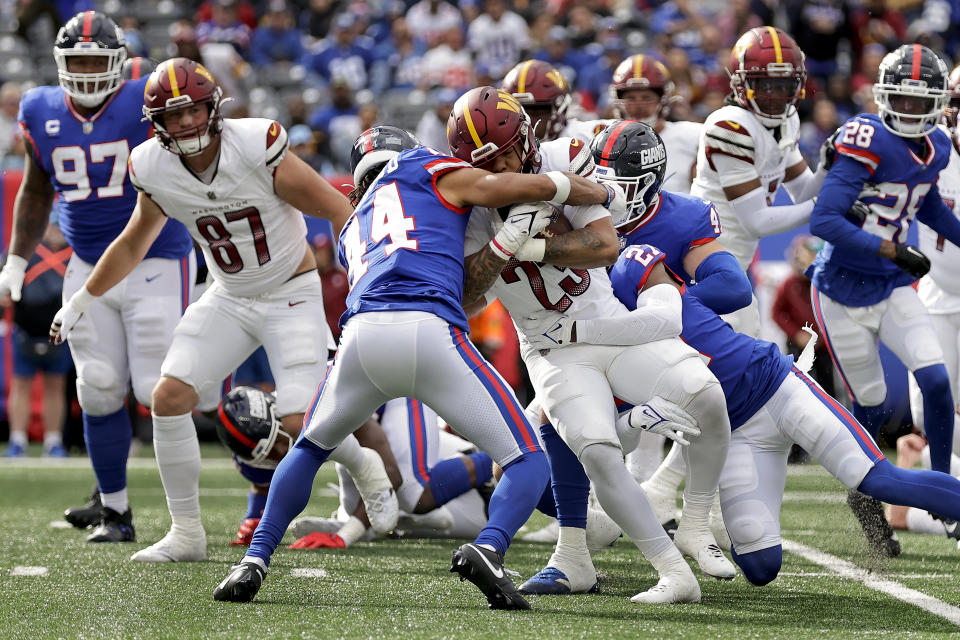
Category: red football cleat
[245,534]
[317,540]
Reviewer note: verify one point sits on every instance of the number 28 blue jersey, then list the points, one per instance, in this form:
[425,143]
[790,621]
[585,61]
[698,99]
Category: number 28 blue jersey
[403,245]
[749,370]
[86,159]
[897,178]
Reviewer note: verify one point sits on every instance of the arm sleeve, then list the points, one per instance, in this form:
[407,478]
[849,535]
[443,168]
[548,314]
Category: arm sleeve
[806,185]
[658,316]
[840,190]
[935,214]
[760,219]
[721,284]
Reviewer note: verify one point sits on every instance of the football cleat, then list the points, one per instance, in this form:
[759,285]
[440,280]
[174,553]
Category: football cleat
[55,451]
[15,450]
[950,527]
[318,540]
[484,568]
[675,587]
[245,533]
[377,492]
[550,533]
[701,546]
[241,584]
[553,581]
[114,527]
[175,547]
[305,526]
[879,533]
[87,515]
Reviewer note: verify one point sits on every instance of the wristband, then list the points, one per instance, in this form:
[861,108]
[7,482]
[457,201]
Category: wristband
[532,250]
[562,183]
[498,250]
[611,194]
[81,300]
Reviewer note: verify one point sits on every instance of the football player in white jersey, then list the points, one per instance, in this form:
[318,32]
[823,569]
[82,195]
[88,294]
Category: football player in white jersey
[939,290]
[748,148]
[575,382]
[240,194]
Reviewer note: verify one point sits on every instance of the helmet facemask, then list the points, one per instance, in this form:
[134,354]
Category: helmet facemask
[642,192]
[772,96]
[910,110]
[90,89]
[192,141]
[260,455]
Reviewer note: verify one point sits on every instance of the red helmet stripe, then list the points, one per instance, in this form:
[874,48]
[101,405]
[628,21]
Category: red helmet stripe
[87,26]
[368,143]
[608,147]
[136,68]
[244,440]
[917,49]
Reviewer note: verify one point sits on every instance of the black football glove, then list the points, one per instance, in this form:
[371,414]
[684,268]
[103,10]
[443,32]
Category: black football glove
[912,260]
[828,150]
[859,211]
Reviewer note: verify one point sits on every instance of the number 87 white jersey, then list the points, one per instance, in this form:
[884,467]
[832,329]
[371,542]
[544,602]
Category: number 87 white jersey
[252,240]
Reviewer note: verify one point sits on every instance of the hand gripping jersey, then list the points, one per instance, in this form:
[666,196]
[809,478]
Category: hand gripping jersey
[944,255]
[900,175]
[680,138]
[750,371]
[251,239]
[87,162]
[678,224]
[524,287]
[403,245]
[763,153]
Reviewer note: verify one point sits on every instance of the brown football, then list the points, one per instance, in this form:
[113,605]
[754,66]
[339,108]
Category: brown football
[557,226]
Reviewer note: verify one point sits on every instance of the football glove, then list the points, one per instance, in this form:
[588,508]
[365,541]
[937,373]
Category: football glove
[547,329]
[663,417]
[858,210]
[912,260]
[69,314]
[828,151]
[523,221]
[616,199]
[11,277]
[317,540]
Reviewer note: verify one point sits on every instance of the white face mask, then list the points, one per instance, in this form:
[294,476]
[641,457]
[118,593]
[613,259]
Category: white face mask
[194,145]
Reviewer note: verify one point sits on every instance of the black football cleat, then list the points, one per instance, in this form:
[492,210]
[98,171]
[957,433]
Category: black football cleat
[869,512]
[951,527]
[241,584]
[87,515]
[114,527]
[484,568]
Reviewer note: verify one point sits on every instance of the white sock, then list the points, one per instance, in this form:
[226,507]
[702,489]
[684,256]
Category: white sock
[571,547]
[644,460]
[18,437]
[116,500]
[623,499]
[696,509]
[351,531]
[255,560]
[670,473]
[920,521]
[350,454]
[177,450]
[51,440]
[667,560]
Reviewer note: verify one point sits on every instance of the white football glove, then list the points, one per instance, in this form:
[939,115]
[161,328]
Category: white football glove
[546,329]
[11,277]
[69,314]
[661,416]
[617,202]
[523,221]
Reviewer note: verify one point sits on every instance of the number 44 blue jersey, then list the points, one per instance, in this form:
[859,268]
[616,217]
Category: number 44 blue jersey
[897,178]
[403,245]
[86,158]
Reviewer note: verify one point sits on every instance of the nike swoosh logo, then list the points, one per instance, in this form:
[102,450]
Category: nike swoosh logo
[152,278]
[498,573]
[293,304]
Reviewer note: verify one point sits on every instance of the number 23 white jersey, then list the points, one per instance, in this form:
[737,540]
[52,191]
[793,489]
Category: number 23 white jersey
[252,240]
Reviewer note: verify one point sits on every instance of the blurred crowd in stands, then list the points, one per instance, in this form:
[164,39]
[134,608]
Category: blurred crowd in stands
[327,69]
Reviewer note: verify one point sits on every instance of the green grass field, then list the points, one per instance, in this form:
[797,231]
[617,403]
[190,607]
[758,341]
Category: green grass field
[402,589]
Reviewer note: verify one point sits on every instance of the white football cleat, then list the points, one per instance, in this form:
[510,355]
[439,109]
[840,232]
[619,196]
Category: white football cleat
[718,528]
[309,524]
[569,570]
[700,545]
[175,547]
[549,533]
[664,503]
[602,531]
[378,495]
[674,587]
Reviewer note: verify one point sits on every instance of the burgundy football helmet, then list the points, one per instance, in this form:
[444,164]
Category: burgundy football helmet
[485,123]
[767,74]
[544,94]
[179,83]
[642,72]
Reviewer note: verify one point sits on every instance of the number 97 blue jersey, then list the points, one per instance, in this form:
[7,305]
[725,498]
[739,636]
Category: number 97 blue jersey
[403,245]
[86,158]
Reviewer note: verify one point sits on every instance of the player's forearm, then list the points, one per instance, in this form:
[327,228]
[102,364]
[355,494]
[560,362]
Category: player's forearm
[761,219]
[31,212]
[481,270]
[584,248]
[806,185]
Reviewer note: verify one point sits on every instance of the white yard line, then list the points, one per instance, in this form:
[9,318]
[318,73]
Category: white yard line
[28,571]
[853,572]
[308,572]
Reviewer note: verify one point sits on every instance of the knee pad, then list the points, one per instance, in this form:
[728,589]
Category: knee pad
[872,393]
[99,389]
[760,567]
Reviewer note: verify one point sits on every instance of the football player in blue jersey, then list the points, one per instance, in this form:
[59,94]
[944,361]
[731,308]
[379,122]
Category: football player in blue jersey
[772,405]
[78,136]
[861,289]
[404,334]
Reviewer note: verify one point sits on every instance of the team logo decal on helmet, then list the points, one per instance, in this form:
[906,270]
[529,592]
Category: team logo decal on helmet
[249,425]
[485,123]
[631,154]
[90,33]
[767,74]
[543,92]
[175,84]
[911,91]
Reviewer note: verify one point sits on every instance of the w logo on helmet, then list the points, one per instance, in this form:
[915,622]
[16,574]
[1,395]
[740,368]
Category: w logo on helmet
[557,78]
[508,102]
